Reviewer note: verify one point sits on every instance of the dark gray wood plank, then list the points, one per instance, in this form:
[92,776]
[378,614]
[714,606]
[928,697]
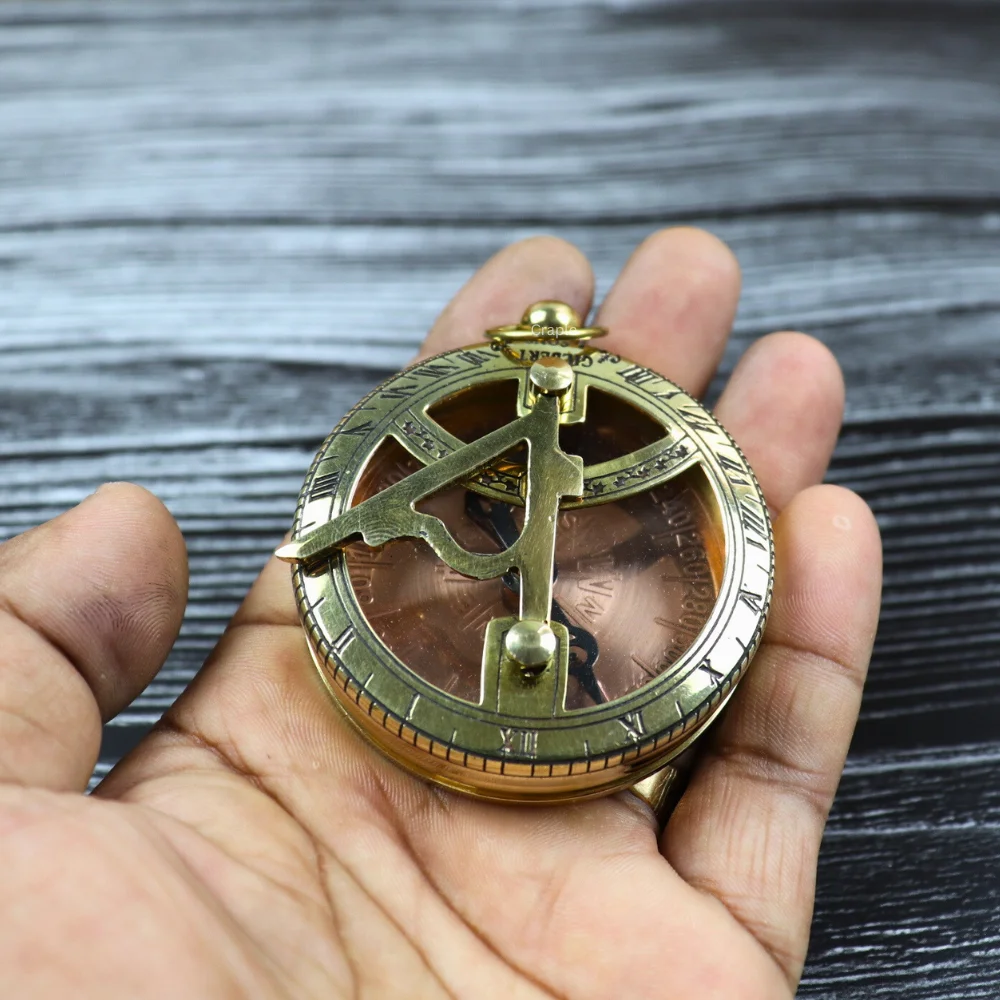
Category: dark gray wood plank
[454,112]
[212,212]
[906,904]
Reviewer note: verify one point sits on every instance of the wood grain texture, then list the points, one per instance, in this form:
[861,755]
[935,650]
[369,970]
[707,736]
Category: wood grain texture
[211,212]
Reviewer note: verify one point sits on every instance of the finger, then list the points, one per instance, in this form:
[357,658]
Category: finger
[784,405]
[90,604]
[748,829]
[672,306]
[543,267]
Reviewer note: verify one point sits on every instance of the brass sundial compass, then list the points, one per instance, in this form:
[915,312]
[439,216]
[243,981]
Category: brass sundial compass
[531,569]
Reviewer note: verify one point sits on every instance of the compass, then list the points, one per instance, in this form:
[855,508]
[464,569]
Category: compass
[531,569]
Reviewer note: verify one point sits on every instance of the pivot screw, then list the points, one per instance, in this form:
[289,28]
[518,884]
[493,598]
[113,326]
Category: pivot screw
[531,645]
[551,376]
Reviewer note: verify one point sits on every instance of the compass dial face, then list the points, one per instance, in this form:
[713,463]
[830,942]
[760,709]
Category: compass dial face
[661,575]
[635,582]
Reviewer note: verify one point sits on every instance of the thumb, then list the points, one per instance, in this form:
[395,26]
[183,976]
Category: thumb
[90,604]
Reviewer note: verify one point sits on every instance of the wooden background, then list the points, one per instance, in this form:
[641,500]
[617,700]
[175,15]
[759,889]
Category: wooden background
[212,212]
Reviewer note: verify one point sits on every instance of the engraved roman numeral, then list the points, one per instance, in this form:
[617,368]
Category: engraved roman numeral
[590,608]
[696,419]
[435,370]
[342,641]
[752,601]
[638,375]
[734,470]
[401,391]
[714,675]
[633,725]
[520,741]
[752,522]
[602,587]
[475,358]
[358,430]
[325,486]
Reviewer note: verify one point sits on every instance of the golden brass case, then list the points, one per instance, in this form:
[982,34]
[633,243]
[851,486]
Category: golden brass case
[519,731]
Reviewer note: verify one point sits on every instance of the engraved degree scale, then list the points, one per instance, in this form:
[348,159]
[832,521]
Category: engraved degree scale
[531,569]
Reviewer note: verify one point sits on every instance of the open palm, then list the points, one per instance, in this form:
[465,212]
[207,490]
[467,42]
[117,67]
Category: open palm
[255,846]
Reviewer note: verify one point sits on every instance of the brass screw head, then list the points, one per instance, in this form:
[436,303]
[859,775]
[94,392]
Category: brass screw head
[548,318]
[551,376]
[531,645]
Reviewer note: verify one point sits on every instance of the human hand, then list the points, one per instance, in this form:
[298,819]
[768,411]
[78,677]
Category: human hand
[255,846]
